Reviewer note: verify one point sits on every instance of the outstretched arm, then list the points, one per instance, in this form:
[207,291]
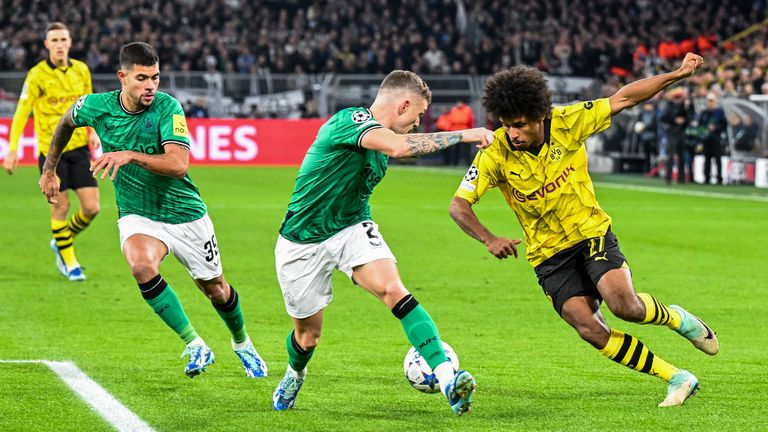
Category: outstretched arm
[638,91]
[173,163]
[414,145]
[49,183]
[462,213]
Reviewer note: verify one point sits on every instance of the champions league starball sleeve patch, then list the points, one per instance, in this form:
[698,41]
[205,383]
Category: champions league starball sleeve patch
[360,117]
[471,175]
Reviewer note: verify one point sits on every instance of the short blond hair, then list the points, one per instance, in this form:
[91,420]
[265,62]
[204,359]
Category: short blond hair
[408,81]
[56,25]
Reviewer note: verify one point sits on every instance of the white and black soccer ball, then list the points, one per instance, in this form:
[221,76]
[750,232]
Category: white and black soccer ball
[420,375]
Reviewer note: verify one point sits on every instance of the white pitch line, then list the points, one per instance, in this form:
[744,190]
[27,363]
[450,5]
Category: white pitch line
[611,185]
[661,190]
[94,395]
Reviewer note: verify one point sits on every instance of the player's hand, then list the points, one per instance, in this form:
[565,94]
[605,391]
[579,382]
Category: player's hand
[110,162]
[502,247]
[11,161]
[691,63]
[94,141]
[49,185]
[481,137]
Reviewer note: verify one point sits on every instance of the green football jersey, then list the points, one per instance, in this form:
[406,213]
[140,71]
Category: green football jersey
[335,180]
[139,191]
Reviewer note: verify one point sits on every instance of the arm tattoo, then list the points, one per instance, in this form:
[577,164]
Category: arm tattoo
[60,139]
[425,143]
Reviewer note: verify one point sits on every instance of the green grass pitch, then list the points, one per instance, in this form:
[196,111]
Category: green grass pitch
[707,253]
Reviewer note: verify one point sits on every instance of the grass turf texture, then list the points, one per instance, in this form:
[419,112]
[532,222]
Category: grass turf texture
[533,372]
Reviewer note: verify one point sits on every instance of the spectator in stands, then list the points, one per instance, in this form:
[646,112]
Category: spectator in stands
[256,112]
[757,77]
[434,58]
[443,124]
[714,123]
[744,133]
[460,117]
[309,109]
[646,128]
[198,109]
[676,118]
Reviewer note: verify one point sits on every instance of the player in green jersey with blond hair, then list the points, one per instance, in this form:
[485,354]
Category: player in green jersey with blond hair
[146,153]
[329,226]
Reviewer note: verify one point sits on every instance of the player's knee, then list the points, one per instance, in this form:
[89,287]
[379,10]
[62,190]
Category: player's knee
[60,209]
[142,270]
[308,339]
[91,210]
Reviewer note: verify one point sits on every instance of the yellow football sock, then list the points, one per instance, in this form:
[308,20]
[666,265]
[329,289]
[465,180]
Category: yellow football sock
[63,237]
[78,222]
[629,351]
[657,313]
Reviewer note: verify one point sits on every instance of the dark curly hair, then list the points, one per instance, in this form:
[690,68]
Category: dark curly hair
[517,92]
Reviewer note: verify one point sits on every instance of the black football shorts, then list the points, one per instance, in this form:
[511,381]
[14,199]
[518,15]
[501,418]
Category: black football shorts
[576,270]
[74,169]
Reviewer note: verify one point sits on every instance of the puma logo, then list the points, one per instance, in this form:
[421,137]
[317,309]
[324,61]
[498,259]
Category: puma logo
[601,258]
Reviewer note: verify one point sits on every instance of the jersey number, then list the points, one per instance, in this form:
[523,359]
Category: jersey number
[211,248]
[373,236]
[596,246]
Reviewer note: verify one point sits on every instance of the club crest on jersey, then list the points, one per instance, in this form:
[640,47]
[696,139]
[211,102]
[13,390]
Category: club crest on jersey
[360,116]
[472,173]
[555,154]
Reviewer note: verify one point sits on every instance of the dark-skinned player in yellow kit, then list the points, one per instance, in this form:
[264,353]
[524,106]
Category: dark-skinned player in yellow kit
[539,162]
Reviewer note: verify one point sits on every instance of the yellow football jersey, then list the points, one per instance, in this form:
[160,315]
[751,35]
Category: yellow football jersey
[48,93]
[551,191]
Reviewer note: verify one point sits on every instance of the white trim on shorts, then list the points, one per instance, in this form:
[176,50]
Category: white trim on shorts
[193,244]
[304,269]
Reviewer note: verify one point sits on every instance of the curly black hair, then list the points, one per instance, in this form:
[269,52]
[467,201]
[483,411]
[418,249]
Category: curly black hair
[517,92]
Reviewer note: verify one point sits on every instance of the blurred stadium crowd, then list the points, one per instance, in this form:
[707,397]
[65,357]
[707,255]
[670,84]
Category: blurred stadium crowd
[614,41]
[610,39]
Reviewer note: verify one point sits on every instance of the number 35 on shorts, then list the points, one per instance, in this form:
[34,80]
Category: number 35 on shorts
[211,249]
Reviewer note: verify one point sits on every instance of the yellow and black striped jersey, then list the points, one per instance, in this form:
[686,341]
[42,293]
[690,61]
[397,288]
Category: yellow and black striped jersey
[48,93]
[550,191]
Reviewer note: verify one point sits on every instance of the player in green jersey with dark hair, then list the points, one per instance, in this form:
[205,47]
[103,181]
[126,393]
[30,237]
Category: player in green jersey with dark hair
[146,150]
[329,226]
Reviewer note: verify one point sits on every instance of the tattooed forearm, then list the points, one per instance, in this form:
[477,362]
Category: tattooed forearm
[61,137]
[422,144]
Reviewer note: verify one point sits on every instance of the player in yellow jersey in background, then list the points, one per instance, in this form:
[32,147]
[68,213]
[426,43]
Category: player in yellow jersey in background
[539,163]
[51,87]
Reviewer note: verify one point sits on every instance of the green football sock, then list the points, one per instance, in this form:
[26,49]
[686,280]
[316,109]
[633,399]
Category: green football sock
[232,315]
[298,357]
[161,298]
[421,330]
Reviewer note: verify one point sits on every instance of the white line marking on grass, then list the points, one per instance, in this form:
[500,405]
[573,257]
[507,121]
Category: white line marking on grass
[653,189]
[94,395]
[625,186]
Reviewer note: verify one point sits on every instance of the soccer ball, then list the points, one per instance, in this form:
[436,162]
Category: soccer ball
[420,375]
